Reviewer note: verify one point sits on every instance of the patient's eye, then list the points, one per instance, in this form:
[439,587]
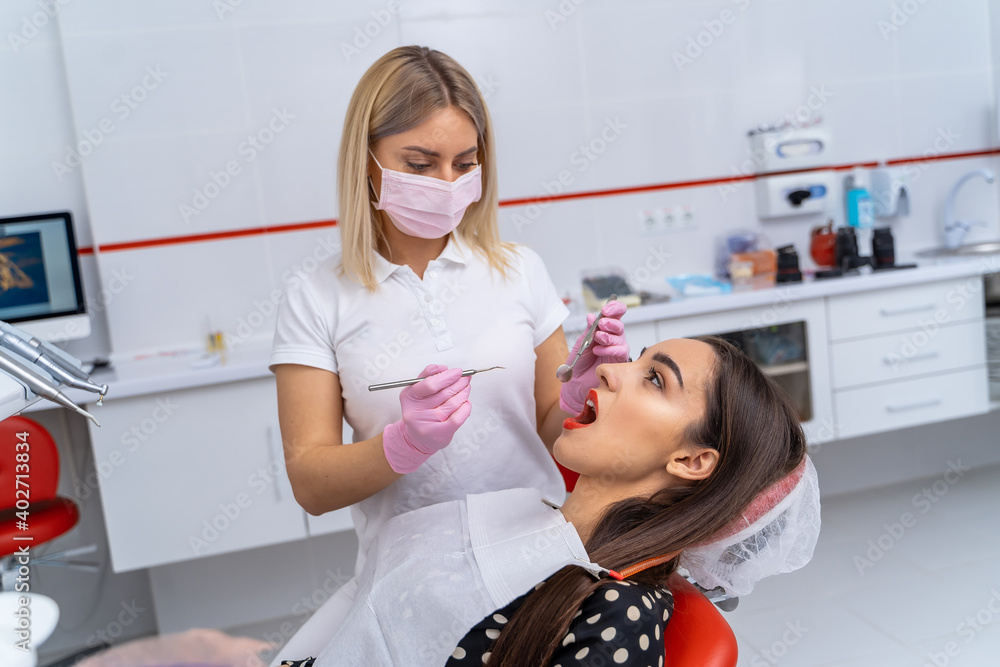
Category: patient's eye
[654,378]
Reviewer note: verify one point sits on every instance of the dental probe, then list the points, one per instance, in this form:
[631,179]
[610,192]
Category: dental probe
[565,372]
[35,355]
[407,383]
[38,383]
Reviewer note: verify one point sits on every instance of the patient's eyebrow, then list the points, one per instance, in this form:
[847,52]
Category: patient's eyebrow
[665,359]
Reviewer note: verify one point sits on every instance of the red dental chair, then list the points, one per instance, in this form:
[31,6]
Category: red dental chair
[696,635]
[48,515]
[29,508]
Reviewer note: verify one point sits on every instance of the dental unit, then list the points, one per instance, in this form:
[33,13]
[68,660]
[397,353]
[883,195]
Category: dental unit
[34,369]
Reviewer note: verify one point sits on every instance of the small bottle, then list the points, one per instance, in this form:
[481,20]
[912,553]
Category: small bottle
[861,210]
[860,205]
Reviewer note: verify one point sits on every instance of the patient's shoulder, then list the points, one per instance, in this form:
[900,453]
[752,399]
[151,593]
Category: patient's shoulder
[622,621]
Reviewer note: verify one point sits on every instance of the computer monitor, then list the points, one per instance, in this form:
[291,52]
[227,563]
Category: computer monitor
[40,288]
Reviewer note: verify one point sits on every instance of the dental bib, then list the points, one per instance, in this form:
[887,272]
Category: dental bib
[433,573]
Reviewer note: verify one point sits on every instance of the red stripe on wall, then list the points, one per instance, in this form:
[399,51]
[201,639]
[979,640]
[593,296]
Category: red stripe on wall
[525,201]
[214,236]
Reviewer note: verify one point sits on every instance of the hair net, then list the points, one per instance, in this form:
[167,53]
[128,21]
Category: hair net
[776,533]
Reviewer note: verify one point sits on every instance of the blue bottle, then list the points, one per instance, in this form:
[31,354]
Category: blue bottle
[860,205]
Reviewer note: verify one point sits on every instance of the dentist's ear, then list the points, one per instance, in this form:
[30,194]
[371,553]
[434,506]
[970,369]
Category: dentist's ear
[693,462]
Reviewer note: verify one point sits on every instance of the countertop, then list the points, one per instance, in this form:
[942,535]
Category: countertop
[187,369]
[812,289]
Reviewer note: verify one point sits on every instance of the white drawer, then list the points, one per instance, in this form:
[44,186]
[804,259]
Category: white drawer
[933,349]
[904,308]
[911,402]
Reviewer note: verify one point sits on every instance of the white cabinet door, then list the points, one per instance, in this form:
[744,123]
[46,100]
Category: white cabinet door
[193,473]
[914,402]
[927,306]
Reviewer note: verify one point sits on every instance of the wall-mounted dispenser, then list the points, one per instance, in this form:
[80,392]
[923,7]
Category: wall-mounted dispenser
[790,149]
[794,194]
[890,189]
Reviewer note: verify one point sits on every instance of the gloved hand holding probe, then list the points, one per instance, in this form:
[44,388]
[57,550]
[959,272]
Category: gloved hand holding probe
[433,410]
[608,347]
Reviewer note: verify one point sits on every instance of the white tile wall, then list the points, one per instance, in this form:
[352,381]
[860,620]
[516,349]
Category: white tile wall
[35,131]
[175,293]
[553,82]
[496,48]
[936,38]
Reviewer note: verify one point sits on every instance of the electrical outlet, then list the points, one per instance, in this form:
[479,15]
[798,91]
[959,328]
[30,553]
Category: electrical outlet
[669,219]
[651,221]
[685,217]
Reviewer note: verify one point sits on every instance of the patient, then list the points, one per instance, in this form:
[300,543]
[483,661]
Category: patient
[688,457]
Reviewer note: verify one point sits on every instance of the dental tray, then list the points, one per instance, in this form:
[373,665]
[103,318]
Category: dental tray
[597,290]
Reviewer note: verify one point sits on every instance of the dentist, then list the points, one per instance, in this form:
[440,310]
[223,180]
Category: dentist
[424,287]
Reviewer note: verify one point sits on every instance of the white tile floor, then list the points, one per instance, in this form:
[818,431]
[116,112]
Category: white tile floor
[907,575]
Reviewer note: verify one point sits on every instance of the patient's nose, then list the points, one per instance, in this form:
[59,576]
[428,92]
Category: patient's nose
[609,376]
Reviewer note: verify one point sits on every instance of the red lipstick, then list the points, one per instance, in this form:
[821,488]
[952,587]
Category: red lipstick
[587,417]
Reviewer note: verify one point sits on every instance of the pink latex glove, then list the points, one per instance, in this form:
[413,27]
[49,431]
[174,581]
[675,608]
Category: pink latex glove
[609,347]
[433,409]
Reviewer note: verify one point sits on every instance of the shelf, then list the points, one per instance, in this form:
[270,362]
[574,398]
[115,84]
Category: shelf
[786,369]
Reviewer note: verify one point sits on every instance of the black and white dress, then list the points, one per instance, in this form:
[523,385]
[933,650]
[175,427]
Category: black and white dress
[621,623]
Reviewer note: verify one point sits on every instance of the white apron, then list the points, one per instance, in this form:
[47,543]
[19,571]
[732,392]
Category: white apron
[433,573]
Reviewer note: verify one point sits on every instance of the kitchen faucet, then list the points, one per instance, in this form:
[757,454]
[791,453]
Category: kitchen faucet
[955,230]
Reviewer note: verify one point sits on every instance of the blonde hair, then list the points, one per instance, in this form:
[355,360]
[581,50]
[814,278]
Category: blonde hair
[397,93]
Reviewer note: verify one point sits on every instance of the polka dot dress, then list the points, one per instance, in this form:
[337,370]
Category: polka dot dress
[621,623]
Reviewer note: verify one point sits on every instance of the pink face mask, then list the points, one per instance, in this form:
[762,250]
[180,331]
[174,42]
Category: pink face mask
[426,207]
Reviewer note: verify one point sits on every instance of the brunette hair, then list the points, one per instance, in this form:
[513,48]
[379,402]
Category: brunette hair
[752,424]
[397,93]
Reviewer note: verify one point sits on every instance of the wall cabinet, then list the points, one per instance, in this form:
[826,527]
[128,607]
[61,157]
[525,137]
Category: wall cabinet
[198,472]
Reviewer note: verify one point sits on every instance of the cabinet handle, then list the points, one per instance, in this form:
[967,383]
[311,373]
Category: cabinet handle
[892,361]
[889,312]
[282,486]
[913,406]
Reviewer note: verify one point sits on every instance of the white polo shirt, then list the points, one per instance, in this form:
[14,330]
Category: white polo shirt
[462,314]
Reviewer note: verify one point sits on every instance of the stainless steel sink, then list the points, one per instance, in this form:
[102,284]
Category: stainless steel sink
[984,248]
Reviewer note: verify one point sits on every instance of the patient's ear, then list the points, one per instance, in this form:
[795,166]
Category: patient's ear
[693,462]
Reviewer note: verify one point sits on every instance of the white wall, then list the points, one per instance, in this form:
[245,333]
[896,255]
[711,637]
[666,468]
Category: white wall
[554,84]
[555,75]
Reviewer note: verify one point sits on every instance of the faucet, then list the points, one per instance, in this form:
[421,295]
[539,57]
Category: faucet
[955,230]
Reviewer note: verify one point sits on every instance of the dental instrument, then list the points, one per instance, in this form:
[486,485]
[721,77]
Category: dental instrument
[407,383]
[565,372]
[35,382]
[49,362]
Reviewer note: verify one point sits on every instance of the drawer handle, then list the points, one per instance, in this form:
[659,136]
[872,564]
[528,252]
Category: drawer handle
[889,312]
[893,360]
[913,406]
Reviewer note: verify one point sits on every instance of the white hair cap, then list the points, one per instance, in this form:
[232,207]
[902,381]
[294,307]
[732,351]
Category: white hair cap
[776,533]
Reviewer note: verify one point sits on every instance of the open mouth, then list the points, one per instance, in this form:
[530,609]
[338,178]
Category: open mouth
[587,417]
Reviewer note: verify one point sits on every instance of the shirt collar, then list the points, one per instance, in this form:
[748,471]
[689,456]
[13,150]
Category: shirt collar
[456,252]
